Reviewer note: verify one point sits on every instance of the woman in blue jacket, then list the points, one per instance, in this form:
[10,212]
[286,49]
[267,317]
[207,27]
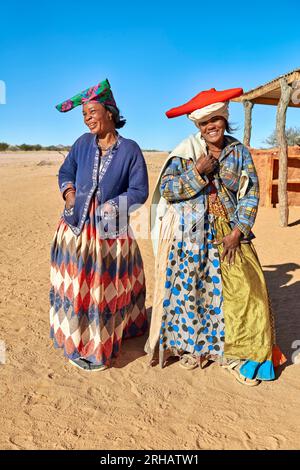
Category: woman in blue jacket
[97,279]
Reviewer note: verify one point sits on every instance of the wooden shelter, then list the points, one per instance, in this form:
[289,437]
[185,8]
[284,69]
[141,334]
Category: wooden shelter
[282,92]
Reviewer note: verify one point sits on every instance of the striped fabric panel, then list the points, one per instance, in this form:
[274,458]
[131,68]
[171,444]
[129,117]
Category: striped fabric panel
[247,206]
[181,180]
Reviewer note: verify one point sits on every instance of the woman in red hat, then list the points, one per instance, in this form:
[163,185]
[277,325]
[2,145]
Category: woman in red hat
[210,299]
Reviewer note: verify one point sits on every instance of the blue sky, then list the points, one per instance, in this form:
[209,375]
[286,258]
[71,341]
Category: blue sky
[156,55]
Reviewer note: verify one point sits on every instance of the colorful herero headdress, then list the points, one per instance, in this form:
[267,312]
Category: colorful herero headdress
[206,104]
[101,93]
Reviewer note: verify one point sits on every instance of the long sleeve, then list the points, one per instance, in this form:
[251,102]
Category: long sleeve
[67,171]
[247,206]
[181,180]
[138,186]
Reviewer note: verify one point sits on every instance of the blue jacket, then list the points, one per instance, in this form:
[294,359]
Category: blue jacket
[124,174]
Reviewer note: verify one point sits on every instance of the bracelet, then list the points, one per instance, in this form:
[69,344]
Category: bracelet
[68,191]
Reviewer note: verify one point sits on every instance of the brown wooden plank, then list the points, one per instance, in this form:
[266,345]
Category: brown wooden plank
[291,181]
[268,200]
[286,92]
[261,90]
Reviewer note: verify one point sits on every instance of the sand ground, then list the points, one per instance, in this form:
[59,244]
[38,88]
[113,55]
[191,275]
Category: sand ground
[48,404]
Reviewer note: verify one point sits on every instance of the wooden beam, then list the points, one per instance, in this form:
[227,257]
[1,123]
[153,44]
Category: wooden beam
[262,90]
[248,105]
[274,102]
[286,92]
[268,101]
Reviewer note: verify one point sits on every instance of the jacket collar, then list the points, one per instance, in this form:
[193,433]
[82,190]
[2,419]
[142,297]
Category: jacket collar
[115,145]
[230,143]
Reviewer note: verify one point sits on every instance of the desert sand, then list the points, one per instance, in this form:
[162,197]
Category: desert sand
[48,404]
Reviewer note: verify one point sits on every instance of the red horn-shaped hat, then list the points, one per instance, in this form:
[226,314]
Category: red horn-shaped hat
[204,98]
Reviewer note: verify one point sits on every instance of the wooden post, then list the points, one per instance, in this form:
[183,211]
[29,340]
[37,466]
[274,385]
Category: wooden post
[248,105]
[283,103]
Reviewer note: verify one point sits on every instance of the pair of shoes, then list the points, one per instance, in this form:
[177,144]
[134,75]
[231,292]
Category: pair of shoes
[233,367]
[189,361]
[86,365]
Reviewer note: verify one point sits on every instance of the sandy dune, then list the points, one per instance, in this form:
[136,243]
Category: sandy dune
[48,404]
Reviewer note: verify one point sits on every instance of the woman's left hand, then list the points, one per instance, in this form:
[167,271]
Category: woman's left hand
[231,246]
[108,210]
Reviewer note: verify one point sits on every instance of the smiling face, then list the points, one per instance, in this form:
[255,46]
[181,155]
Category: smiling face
[98,119]
[213,130]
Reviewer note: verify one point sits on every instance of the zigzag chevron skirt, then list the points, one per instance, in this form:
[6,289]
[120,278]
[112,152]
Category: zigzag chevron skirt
[97,294]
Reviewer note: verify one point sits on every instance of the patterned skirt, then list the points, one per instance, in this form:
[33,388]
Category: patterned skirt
[97,294]
[204,307]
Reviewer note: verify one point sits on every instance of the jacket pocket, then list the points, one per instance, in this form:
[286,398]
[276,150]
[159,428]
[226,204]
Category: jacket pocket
[230,178]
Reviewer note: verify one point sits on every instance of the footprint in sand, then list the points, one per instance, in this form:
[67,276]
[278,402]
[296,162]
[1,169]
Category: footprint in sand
[134,389]
[253,441]
[273,442]
[22,441]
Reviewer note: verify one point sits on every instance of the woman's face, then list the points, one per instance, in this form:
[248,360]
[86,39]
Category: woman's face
[213,130]
[98,119]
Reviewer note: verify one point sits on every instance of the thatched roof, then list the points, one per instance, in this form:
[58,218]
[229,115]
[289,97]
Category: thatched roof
[269,93]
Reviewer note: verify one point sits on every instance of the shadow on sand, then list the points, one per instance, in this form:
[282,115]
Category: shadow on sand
[132,348]
[285,299]
[293,224]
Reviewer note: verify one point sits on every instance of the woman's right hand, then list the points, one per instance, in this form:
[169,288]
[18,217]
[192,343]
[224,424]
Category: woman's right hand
[206,164]
[70,200]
